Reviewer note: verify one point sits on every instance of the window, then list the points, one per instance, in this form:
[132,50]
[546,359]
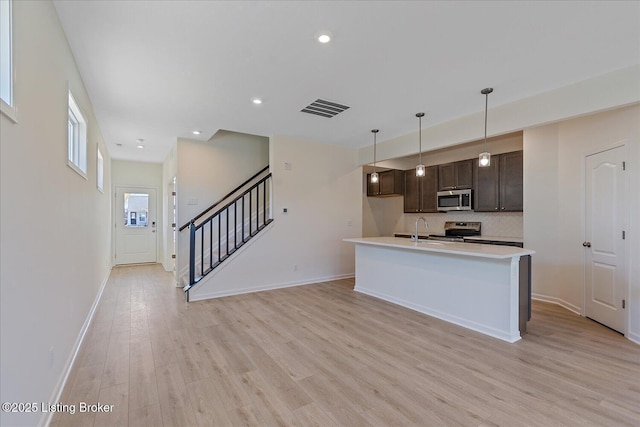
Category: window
[6,62]
[136,209]
[77,139]
[100,171]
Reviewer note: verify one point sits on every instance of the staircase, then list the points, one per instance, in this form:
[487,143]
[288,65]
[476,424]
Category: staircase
[227,225]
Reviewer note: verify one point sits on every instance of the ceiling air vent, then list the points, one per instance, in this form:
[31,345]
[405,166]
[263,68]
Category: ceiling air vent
[324,108]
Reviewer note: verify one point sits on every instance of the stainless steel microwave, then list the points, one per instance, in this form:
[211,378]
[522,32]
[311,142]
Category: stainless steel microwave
[455,200]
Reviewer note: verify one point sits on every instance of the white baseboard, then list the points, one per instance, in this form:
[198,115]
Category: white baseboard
[45,420]
[269,287]
[631,336]
[478,327]
[634,337]
[558,301]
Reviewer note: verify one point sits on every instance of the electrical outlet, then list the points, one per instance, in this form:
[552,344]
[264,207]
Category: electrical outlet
[295,267]
[285,210]
[349,223]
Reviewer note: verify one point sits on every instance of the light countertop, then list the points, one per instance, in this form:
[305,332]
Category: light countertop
[483,237]
[453,248]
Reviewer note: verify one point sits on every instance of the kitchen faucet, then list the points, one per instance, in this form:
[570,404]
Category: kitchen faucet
[414,238]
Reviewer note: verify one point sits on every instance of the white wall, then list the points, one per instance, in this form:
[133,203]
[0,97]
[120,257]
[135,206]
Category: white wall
[206,171]
[554,203]
[322,193]
[55,225]
[601,93]
[146,175]
[541,207]
[136,174]
[470,150]
[381,216]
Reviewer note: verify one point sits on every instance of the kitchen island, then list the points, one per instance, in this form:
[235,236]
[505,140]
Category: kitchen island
[481,287]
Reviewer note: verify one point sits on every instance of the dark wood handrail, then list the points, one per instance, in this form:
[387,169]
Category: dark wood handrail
[194,219]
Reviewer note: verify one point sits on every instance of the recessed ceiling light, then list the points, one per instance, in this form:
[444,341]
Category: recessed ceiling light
[324,38]
[197,132]
[118,145]
[140,146]
[257,101]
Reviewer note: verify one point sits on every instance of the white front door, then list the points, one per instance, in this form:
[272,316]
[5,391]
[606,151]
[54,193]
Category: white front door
[135,225]
[605,283]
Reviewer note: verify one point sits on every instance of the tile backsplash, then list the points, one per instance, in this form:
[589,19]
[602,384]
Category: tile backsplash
[500,224]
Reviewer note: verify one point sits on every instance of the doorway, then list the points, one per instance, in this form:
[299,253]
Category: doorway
[135,225]
[605,279]
[172,230]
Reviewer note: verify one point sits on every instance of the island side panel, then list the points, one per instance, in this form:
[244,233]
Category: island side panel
[477,293]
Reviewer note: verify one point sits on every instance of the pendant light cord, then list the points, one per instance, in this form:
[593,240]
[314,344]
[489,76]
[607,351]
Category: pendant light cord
[420,136]
[374,151]
[486,107]
[486,92]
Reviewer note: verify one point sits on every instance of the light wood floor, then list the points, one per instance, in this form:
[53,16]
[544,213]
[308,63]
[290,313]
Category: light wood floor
[324,355]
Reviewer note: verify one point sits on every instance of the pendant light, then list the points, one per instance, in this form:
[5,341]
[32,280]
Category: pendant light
[374,175]
[420,169]
[484,160]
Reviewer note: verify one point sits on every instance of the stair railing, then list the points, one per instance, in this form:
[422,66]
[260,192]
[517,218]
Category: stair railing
[226,230]
[225,197]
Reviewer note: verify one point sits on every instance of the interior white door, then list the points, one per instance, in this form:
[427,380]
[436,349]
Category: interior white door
[605,283]
[173,229]
[135,225]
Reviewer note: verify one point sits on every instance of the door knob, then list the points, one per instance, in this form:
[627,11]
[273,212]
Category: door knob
[587,244]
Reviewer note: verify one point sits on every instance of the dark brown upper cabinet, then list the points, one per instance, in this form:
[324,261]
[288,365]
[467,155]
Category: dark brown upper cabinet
[499,186]
[420,192]
[456,175]
[511,183]
[486,195]
[390,183]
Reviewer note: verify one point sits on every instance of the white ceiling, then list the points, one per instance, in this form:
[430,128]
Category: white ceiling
[159,69]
